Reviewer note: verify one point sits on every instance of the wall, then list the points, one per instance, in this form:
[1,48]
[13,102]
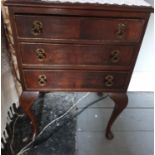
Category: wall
[150,1]
[8,90]
[143,75]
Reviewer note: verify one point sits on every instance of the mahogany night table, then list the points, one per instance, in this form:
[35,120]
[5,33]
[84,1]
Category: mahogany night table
[77,45]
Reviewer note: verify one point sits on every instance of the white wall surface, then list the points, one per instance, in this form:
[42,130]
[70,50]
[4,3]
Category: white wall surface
[143,76]
[150,1]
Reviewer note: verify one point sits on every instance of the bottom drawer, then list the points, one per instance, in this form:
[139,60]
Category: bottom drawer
[71,80]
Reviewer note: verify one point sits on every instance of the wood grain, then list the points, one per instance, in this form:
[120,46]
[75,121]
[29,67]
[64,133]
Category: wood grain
[72,55]
[79,28]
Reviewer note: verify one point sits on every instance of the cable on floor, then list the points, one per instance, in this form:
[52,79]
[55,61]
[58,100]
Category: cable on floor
[13,133]
[27,147]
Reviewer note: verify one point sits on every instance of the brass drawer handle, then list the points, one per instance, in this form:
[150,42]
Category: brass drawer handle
[37,28]
[109,80]
[115,56]
[40,53]
[42,80]
[121,28]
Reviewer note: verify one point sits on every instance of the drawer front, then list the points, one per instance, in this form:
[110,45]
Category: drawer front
[74,80]
[79,28]
[76,55]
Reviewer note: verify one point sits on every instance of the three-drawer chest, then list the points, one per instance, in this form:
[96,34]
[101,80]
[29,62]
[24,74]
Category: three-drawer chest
[86,46]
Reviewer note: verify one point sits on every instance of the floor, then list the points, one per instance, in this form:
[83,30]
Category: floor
[84,128]
[133,129]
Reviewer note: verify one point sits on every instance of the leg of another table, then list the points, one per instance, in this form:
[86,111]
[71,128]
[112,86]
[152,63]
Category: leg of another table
[100,94]
[27,99]
[121,101]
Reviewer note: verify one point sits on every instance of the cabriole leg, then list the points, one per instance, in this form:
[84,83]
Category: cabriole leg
[26,101]
[121,101]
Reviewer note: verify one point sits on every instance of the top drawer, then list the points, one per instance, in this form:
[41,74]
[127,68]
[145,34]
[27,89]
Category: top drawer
[78,28]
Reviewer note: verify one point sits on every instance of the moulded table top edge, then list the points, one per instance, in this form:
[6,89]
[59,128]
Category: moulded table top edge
[68,5]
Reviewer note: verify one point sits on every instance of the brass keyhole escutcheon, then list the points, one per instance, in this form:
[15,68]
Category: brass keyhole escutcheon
[121,29]
[40,53]
[109,80]
[115,56]
[37,28]
[42,80]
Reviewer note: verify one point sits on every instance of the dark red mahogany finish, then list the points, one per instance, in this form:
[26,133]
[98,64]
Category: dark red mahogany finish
[76,47]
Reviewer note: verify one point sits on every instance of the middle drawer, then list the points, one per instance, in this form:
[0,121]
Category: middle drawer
[71,55]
